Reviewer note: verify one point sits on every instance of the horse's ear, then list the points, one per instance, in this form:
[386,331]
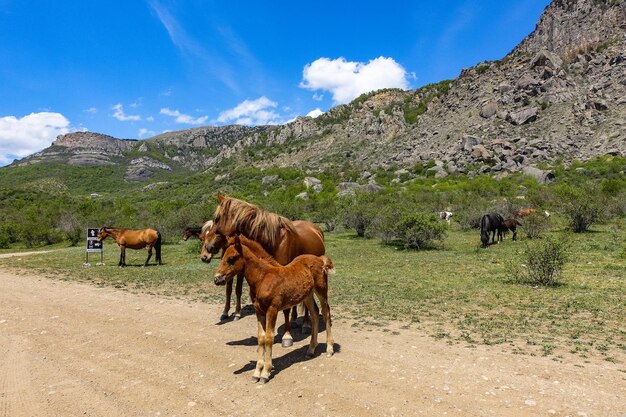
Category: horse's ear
[238,244]
[220,197]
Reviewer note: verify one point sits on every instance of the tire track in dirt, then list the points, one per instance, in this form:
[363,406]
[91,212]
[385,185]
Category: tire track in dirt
[16,394]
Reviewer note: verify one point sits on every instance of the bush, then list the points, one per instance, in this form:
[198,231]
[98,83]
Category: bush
[358,212]
[544,263]
[581,206]
[535,224]
[5,240]
[419,230]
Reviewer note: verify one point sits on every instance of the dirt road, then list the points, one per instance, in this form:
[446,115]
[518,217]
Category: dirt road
[70,349]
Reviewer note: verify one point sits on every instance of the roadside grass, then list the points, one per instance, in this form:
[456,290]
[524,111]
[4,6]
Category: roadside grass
[460,293]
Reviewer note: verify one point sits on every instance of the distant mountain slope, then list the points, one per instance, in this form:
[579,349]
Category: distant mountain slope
[559,95]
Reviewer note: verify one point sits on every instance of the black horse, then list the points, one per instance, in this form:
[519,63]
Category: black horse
[490,223]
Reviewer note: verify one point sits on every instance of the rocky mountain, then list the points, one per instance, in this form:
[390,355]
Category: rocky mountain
[559,95]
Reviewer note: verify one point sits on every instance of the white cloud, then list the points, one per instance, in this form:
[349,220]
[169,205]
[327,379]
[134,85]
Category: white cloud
[183,118]
[347,80]
[118,113]
[145,132]
[91,110]
[29,134]
[251,112]
[315,113]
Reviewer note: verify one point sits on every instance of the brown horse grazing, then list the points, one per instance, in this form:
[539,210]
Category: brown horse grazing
[192,232]
[279,236]
[133,239]
[274,288]
[508,224]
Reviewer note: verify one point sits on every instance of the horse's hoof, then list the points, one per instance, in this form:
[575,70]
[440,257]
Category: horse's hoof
[286,343]
[224,317]
[255,379]
[263,380]
[236,317]
[329,354]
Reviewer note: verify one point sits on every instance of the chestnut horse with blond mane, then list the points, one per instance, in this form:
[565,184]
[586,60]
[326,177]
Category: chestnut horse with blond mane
[276,287]
[280,237]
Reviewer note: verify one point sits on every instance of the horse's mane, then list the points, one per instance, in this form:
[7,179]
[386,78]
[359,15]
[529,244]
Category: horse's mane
[254,222]
[256,248]
[206,226]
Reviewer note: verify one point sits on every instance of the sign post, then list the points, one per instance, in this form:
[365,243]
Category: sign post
[93,246]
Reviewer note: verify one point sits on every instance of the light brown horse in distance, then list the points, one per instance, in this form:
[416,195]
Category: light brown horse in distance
[279,236]
[276,287]
[527,211]
[133,239]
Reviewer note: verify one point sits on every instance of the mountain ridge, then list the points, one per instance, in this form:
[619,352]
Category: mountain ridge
[559,95]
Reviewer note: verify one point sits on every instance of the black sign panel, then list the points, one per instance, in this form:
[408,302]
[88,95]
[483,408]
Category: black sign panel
[92,243]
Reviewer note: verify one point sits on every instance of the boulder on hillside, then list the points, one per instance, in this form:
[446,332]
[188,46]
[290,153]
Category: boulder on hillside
[542,176]
[523,116]
[488,109]
[545,58]
[468,142]
[313,183]
[349,188]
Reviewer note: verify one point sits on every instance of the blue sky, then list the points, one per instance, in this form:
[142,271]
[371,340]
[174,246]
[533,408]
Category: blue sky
[137,68]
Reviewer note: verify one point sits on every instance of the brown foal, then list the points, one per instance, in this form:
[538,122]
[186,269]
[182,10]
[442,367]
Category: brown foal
[274,288]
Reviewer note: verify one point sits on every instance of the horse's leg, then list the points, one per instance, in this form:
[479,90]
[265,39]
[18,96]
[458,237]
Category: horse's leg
[294,314]
[309,303]
[306,317]
[260,351]
[238,292]
[514,234]
[287,340]
[122,261]
[270,325]
[229,292]
[149,255]
[322,295]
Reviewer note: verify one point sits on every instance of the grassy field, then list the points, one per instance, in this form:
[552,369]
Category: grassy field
[460,293]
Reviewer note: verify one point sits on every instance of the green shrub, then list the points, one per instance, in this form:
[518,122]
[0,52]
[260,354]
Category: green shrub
[581,205]
[5,240]
[358,213]
[419,230]
[544,260]
[535,225]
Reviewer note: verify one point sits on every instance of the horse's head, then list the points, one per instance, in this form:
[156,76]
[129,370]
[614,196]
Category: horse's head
[103,233]
[212,243]
[186,234]
[232,262]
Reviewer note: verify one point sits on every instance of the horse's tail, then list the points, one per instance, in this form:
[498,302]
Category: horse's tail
[157,247]
[328,267]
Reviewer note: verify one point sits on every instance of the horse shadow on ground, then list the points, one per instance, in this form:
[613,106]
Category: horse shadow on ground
[246,311]
[298,333]
[291,358]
